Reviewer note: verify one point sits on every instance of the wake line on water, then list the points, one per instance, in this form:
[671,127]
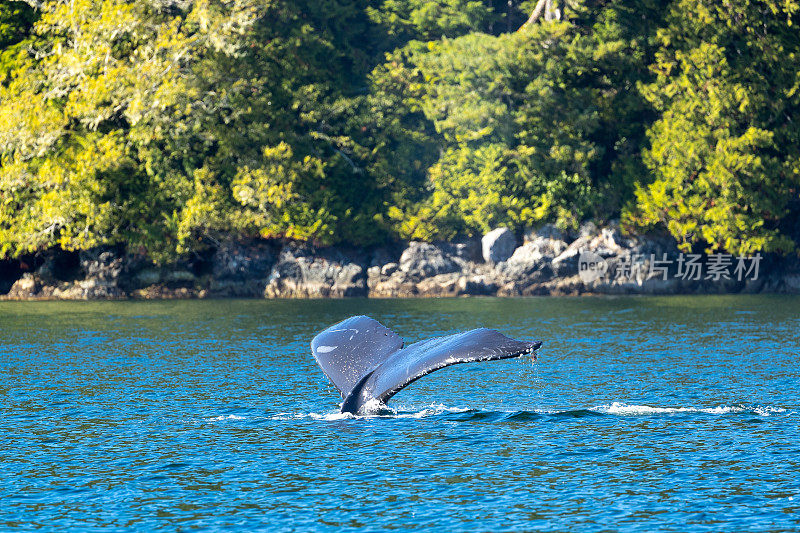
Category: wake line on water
[375,410]
[620,409]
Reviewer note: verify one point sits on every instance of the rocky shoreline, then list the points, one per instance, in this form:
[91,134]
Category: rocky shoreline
[545,261]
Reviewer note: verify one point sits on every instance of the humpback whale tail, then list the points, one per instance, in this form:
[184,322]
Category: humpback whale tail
[367,361]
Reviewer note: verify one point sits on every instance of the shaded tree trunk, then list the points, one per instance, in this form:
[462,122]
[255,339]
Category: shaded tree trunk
[543,7]
[537,12]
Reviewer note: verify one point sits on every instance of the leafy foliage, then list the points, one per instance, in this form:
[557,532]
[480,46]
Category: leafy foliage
[531,125]
[165,125]
[725,149]
[131,124]
[16,22]
[16,19]
[427,20]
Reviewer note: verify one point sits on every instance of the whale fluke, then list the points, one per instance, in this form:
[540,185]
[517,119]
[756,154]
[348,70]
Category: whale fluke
[366,361]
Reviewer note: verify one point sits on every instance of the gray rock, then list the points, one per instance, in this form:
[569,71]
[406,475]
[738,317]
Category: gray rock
[101,265]
[27,286]
[609,242]
[243,261]
[442,285]
[163,292]
[477,285]
[587,229]
[526,260]
[389,268]
[30,287]
[526,268]
[241,268]
[382,256]
[549,247]
[89,289]
[304,272]
[528,253]
[468,250]
[509,289]
[396,286]
[423,260]
[101,269]
[498,245]
[148,276]
[236,288]
[548,231]
[373,277]
[573,250]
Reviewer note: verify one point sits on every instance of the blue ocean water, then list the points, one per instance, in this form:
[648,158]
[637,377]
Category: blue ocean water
[641,414]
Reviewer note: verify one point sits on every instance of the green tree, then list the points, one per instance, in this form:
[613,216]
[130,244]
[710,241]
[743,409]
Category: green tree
[426,20]
[294,96]
[724,152]
[143,126]
[82,120]
[16,23]
[544,124]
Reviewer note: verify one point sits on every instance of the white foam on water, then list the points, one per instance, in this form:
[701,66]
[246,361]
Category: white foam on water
[376,410]
[225,417]
[373,409]
[431,410]
[766,411]
[623,409]
[327,417]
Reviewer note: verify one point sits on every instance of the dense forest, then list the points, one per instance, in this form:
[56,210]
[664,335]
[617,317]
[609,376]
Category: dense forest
[169,125]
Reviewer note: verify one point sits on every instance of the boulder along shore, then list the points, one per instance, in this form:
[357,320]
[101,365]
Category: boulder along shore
[546,261]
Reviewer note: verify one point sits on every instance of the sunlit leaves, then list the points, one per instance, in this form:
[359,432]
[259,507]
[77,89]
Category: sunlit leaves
[724,152]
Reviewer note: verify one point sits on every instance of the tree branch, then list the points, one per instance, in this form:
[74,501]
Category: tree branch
[543,7]
[537,12]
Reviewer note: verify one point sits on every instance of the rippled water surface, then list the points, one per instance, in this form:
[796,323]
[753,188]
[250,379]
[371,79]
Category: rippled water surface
[676,414]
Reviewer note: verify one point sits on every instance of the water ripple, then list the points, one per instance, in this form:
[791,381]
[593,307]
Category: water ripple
[641,414]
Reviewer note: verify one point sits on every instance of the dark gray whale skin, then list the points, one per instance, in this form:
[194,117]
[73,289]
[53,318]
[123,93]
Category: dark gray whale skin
[366,361]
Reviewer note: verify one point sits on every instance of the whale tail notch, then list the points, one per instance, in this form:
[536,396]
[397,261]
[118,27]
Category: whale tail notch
[367,361]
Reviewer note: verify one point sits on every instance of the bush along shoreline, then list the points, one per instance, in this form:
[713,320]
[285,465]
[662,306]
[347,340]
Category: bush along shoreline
[547,261]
